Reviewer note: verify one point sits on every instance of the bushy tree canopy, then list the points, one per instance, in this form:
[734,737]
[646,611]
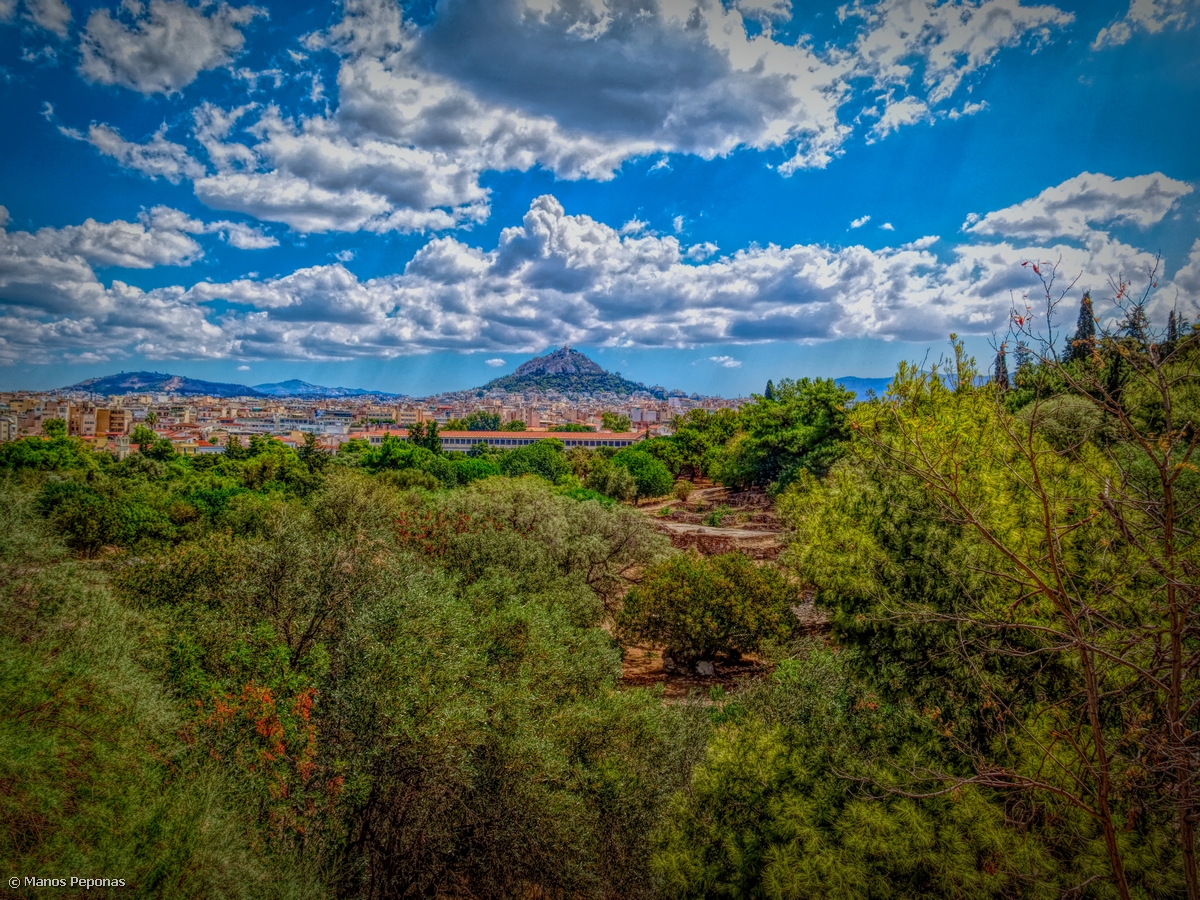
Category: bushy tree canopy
[699,608]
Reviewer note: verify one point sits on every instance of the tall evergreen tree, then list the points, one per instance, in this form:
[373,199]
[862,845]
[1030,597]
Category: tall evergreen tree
[769,393]
[1084,341]
[1172,328]
[1137,326]
[1000,375]
[1023,356]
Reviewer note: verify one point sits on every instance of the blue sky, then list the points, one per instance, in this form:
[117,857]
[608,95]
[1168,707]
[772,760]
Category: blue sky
[419,196]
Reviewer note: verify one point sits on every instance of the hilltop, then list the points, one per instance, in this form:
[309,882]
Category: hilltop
[160,383]
[566,371]
[164,383]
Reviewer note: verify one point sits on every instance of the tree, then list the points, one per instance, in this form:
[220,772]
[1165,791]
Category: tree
[55,429]
[803,429]
[233,448]
[1084,342]
[161,449]
[143,436]
[1053,586]
[572,427]
[769,393]
[151,418]
[312,454]
[698,609]
[514,425]
[394,453]
[611,481]
[777,807]
[611,421]
[1000,370]
[699,440]
[545,458]
[421,434]
[651,477]
[481,420]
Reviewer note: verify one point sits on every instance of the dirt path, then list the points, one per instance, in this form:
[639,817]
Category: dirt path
[734,532]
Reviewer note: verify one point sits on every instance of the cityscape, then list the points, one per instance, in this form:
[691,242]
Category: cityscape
[195,423]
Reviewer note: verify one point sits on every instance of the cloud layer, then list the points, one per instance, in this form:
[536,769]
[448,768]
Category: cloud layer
[577,87]
[558,278]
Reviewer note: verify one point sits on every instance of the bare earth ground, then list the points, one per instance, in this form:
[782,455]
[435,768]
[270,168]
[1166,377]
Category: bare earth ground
[751,527]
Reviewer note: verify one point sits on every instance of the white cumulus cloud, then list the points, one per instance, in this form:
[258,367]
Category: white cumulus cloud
[947,41]
[49,15]
[495,363]
[157,157]
[576,87]
[554,277]
[163,47]
[1150,16]
[1073,208]
[860,222]
[727,362]
[898,113]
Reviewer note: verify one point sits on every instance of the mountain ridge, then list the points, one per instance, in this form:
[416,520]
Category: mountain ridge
[160,383]
[294,387]
[164,383]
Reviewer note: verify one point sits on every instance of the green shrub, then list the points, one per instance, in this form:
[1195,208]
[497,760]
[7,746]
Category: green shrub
[698,609]
[95,779]
[544,458]
[651,477]
[405,479]
[717,516]
[612,481]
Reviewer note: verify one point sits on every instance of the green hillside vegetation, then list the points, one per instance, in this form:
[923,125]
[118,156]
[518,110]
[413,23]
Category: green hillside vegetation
[565,371]
[607,382]
[395,672]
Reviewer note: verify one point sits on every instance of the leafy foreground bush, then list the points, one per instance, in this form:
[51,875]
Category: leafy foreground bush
[361,691]
[787,805]
[94,780]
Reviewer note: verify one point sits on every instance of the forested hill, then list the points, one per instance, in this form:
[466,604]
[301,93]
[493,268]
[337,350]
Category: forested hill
[161,383]
[566,371]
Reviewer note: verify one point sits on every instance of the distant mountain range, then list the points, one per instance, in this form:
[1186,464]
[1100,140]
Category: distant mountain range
[296,388]
[566,371]
[162,383]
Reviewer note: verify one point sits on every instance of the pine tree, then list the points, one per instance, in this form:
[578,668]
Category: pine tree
[1172,328]
[769,393]
[1023,356]
[1084,341]
[1000,376]
[1137,326]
